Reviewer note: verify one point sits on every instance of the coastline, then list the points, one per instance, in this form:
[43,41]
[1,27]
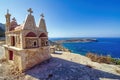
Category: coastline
[73,65]
[93,56]
[104,46]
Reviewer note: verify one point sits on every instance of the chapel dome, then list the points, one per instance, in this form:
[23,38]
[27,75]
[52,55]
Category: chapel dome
[13,24]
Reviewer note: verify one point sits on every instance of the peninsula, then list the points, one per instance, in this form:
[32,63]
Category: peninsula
[77,40]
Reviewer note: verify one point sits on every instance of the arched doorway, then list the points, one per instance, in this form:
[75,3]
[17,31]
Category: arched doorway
[10,55]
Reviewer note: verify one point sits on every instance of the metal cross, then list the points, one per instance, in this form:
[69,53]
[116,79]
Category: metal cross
[42,15]
[30,10]
[13,19]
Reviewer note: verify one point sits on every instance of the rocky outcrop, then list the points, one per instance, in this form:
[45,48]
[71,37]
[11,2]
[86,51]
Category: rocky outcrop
[58,46]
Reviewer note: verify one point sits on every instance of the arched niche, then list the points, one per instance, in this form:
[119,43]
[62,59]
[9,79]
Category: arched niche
[31,34]
[31,40]
[43,39]
[43,35]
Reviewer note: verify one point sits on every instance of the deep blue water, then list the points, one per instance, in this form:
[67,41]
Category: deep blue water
[104,46]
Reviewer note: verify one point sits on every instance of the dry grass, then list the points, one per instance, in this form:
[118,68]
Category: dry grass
[118,71]
[14,73]
[11,72]
[97,58]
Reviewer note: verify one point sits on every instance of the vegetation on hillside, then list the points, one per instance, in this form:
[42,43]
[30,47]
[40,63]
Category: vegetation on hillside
[103,59]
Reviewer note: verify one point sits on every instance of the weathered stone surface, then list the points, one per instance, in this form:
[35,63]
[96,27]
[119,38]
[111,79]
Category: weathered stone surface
[60,67]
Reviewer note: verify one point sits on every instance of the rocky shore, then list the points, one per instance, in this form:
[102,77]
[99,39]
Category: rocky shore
[58,46]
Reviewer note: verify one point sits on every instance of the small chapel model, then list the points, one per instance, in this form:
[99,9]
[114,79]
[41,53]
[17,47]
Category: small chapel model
[26,44]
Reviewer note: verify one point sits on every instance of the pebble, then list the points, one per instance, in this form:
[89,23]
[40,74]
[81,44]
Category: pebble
[73,70]
[59,65]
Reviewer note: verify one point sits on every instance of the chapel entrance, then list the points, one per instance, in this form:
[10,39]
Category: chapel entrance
[10,55]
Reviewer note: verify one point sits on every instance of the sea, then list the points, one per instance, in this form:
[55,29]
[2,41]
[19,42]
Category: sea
[104,46]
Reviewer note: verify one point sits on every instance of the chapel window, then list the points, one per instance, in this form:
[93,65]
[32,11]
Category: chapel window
[35,44]
[46,43]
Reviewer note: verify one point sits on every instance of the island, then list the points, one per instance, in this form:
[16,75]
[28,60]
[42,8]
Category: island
[77,40]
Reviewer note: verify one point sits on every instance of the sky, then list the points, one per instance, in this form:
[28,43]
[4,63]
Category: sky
[69,18]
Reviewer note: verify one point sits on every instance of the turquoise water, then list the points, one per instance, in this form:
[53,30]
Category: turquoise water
[104,46]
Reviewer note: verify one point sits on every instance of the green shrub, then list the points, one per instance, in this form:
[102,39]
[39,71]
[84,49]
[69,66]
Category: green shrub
[115,61]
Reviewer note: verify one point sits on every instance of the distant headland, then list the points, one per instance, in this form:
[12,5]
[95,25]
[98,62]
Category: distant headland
[77,40]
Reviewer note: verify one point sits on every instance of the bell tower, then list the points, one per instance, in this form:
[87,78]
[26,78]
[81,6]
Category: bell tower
[42,25]
[7,16]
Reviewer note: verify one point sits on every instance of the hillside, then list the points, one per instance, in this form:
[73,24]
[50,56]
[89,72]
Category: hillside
[2,26]
[2,30]
[66,66]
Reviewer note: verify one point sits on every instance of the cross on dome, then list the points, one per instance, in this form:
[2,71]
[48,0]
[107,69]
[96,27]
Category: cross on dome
[8,12]
[30,11]
[42,15]
[13,19]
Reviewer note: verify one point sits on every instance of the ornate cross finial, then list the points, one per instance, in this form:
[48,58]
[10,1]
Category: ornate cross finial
[30,10]
[13,19]
[42,15]
[7,11]
[8,14]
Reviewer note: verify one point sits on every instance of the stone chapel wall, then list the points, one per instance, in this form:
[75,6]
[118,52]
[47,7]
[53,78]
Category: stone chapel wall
[35,56]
